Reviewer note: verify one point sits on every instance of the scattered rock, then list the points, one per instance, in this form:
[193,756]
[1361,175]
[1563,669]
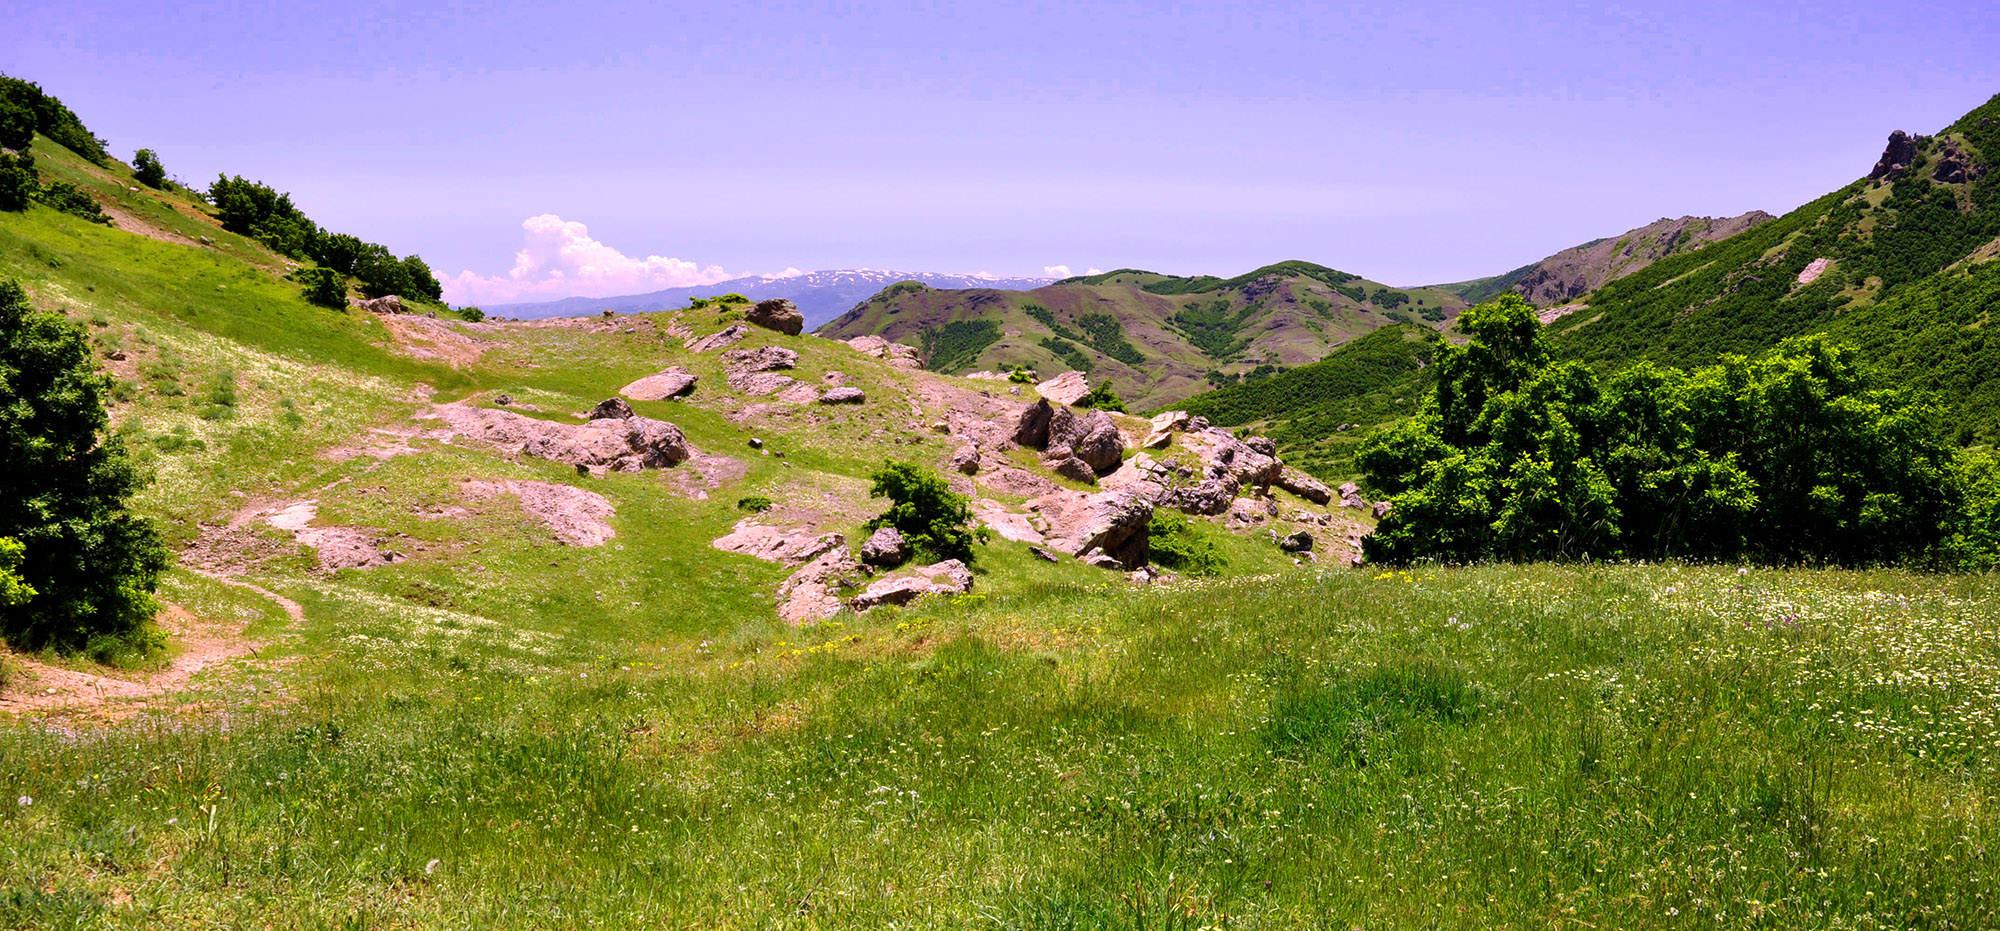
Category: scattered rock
[1032,430]
[1248,512]
[503,399]
[812,593]
[1072,468]
[1955,166]
[843,395]
[207,241]
[758,384]
[1382,509]
[790,547]
[673,383]
[1065,389]
[895,354]
[626,445]
[777,314]
[885,548]
[1896,158]
[1303,485]
[386,304]
[1300,542]
[1208,496]
[612,409]
[717,340]
[950,577]
[1112,522]
[761,359]
[1092,437]
[756,443]
[965,460]
[1350,496]
[1042,554]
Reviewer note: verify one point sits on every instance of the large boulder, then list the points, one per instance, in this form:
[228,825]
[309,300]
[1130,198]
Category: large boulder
[1071,468]
[761,359]
[1065,389]
[965,460]
[1111,522]
[612,409]
[950,577]
[1350,496]
[1303,485]
[885,548]
[727,336]
[672,383]
[790,547]
[1208,496]
[1092,437]
[812,594]
[613,445]
[386,304]
[1032,430]
[1300,542]
[843,395]
[777,314]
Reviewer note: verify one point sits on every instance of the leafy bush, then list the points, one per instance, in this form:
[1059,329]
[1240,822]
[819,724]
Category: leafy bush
[146,168]
[71,199]
[64,485]
[755,504]
[1177,544]
[323,286]
[1792,457]
[1021,375]
[13,591]
[1103,397]
[17,182]
[1213,327]
[17,125]
[470,314]
[924,509]
[955,345]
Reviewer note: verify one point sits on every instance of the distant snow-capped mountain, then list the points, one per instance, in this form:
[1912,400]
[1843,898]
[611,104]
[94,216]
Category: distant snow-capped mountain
[821,295]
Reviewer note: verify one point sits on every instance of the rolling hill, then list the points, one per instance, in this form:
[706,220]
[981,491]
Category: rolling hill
[1579,270]
[820,295]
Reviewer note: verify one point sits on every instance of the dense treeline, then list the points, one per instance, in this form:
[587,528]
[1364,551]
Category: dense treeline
[1387,355]
[25,110]
[262,213]
[955,345]
[1798,455]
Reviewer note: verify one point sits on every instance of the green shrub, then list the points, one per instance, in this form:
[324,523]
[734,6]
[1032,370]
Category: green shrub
[1104,398]
[13,591]
[51,119]
[470,314]
[71,199]
[1178,544]
[1021,376]
[17,182]
[146,169]
[17,125]
[322,286]
[64,485]
[755,504]
[924,509]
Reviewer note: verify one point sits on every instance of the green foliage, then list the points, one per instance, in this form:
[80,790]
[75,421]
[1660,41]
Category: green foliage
[51,119]
[1068,353]
[755,504]
[257,210]
[1180,544]
[925,510]
[1388,299]
[1103,397]
[1213,326]
[63,490]
[1289,269]
[469,314]
[18,184]
[17,125]
[146,169]
[13,591]
[954,346]
[70,199]
[1021,376]
[1390,355]
[1795,456]
[1104,333]
[323,287]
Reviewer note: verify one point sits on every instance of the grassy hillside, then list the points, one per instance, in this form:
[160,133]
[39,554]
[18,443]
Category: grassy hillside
[1158,338]
[1901,265]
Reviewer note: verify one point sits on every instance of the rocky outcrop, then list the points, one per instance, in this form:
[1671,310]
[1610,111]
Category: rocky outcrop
[965,460]
[1570,274]
[720,339]
[1091,437]
[577,516]
[626,444]
[1164,426]
[777,314]
[1071,468]
[761,359]
[1955,166]
[1032,430]
[1007,524]
[673,383]
[886,547]
[1110,523]
[789,547]
[1299,542]
[1065,389]
[1896,159]
[1208,496]
[895,354]
[950,577]
[843,395]
[386,304]
[612,409]
[1303,485]
[812,593]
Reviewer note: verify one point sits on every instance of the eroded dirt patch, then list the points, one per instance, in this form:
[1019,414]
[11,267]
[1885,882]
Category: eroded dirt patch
[577,516]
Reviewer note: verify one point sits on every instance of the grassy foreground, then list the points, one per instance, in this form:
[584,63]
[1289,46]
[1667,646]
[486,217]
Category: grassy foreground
[1498,747]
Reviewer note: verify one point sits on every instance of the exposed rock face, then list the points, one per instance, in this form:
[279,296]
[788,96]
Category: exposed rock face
[1032,430]
[885,548]
[1300,542]
[1071,468]
[777,314]
[337,547]
[612,409]
[386,304]
[725,337]
[965,460]
[1572,273]
[895,354]
[950,577]
[1009,525]
[790,547]
[1813,270]
[762,359]
[1112,523]
[577,516]
[1262,444]
[1092,437]
[1208,496]
[1065,389]
[812,594]
[1303,485]
[1955,166]
[673,383]
[1896,158]
[613,445]
[843,395]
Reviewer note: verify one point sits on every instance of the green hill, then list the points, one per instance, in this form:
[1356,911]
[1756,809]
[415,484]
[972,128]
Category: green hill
[1158,338]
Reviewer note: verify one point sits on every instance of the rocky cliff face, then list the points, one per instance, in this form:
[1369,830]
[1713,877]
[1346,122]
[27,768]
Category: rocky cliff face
[1573,273]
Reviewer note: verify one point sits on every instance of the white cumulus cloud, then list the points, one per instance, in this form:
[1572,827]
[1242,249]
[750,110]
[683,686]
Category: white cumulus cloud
[1056,271]
[561,260]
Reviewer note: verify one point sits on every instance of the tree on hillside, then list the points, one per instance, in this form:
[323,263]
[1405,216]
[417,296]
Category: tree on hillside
[64,484]
[925,510]
[13,591]
[1796,456]
[52,119]
[18,185]
[323,286]
[17,125]
[146,168]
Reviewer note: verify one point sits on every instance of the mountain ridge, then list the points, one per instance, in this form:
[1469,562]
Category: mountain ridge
[820,295]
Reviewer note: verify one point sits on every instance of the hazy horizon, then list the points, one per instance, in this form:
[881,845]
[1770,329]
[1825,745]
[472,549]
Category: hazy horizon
[628,149]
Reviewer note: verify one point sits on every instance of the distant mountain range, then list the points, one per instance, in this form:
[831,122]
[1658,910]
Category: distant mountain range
[821,295]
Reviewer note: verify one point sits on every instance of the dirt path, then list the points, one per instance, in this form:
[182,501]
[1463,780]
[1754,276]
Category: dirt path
[38,688]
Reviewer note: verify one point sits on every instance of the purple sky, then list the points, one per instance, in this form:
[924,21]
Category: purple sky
[1410,143]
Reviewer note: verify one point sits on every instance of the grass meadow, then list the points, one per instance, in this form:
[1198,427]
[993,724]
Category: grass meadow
[1469,748]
